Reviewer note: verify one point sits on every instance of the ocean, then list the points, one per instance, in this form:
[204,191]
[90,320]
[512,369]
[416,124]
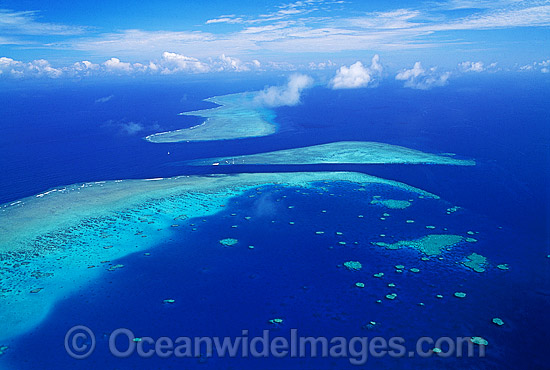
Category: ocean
[55,135]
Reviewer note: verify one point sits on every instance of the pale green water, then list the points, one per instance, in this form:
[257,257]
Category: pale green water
[54,244]
[238,116]
[358,152]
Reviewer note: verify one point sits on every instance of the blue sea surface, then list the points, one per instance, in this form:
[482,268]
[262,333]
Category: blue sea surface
[53,136]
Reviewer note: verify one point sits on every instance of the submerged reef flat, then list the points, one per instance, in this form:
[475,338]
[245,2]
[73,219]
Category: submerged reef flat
[55,243]
[352,152]
[392,203]
[228,242]
[238,116]
[353,265]
[476,262]
[430,245]
[22,221]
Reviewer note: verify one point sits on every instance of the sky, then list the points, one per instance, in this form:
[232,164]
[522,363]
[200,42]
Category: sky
[68,38]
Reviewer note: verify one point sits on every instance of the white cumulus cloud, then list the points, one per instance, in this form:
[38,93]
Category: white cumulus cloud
[84,68]
[169,63]
[420,78]
[476,67]
[357,75]
[36,68]
[229,63]
[115,65]
[174,62]
[226,63]
[545,64]
[471,67]
[276,96]
[8,65]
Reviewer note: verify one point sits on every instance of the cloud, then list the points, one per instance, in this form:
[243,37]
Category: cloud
[286,30]
[531,16]
[471,67]
[350,78]
[104,99]
[276,96]
[169,63]
[420,78]
[227,63]
[357,75]
[267,28]
[281,66]
[320,26]
[473,4]
[503,14]
[8,65]
[527,67]
[36,68]
[265,205]
[233,64]
[475,67]
[545,64]
[394,19]
[149,44]
[230,19]
[174,62]
[115,65]
[81,69]
[298,8]
[26,23]
[10,41]
[43,67]
[131,128]
[321,65]
[375,66]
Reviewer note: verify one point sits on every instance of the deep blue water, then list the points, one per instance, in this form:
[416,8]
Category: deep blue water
[57,135]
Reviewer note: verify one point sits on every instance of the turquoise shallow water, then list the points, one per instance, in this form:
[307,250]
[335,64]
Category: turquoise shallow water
[292,273]
[236,116]
[73,231]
